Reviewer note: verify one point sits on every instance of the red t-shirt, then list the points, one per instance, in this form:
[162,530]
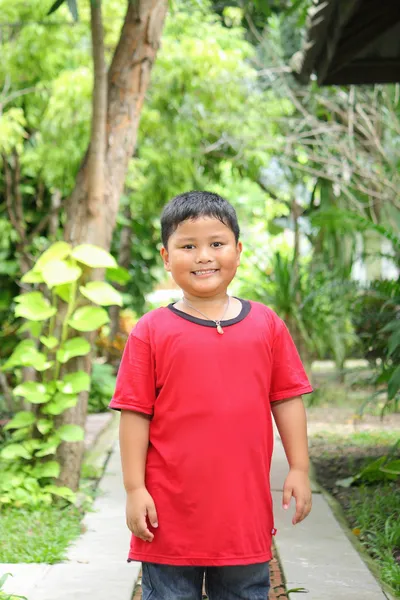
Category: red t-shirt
[211,436]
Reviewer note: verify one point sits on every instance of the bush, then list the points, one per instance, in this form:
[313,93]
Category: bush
[372,311]
[102,387]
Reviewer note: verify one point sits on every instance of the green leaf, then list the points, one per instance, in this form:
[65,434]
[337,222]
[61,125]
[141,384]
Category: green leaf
[33,391]
[4,578]
[20,435]
[57,251]
[48,469]
[93,256]
[59,272]
[63,492]
[56,6]
[73,9]
[346,482]
[101,293]
[391,326]
[23,418]
[34,328]
[44,426]
[394,384]
[72,5]
[60,403]
[50,447]
[32,277]
[13,451]
[26,355]
[74,347]
[40,363]
[118,275]
[73,383]
[88,318]
[50,342]
[392,467]
[63,291]
[34,306]
[394,342]
[70,433]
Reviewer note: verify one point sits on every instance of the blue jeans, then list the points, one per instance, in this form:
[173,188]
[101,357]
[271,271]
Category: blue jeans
[238,582]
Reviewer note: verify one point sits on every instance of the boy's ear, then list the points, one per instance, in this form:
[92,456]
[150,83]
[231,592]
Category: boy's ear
[239,249]
[165,257]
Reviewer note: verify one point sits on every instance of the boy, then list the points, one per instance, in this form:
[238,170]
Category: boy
[196,387]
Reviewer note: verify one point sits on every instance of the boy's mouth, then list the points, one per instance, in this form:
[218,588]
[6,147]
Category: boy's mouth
[204,272]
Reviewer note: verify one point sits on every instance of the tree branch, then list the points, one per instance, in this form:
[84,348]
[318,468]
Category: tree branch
[9,197]
[97,149]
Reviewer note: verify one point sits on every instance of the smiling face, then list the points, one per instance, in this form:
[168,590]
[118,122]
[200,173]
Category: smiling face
[202,257]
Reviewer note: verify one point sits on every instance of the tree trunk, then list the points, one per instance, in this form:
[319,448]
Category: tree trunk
[93,206]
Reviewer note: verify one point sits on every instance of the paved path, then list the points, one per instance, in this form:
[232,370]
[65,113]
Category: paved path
[316,555]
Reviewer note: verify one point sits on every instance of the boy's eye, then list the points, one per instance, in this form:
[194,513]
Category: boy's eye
[216,244]
[188,247]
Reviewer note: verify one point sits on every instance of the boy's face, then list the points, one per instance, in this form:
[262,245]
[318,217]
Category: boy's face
[202,256]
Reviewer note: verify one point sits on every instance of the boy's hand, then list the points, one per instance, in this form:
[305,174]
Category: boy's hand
[140,504]
[297,484]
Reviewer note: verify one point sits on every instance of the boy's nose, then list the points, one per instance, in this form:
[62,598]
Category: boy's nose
[203,256]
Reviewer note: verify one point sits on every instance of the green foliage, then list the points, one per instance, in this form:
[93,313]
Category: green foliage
[376,516]
[72,5]
[199,130]
[29,470]
[40,535]
[102,387]
[313,302]
[3,594]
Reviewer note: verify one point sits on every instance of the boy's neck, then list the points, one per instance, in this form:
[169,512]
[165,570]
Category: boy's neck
[217,301]
[213,306]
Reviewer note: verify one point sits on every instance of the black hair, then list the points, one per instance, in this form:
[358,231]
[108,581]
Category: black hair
[195,204]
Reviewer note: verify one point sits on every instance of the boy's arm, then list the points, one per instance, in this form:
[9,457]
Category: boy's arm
[134,442]
[290,419]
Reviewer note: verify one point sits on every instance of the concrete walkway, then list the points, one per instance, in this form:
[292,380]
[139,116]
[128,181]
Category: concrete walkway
[315,555]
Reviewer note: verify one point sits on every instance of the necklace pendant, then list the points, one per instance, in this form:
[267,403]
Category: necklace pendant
[219,329]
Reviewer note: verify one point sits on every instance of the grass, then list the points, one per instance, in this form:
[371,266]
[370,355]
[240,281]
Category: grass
[35,536]
[374,517]
[358,439]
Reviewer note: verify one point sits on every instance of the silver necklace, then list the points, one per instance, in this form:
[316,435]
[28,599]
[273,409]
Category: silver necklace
[218,321]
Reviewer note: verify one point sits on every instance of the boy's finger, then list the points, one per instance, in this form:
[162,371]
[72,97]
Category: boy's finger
[300,507]
[142,532]
[287,496]
[152,514]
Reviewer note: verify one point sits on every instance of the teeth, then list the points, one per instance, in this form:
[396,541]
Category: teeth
[204,272]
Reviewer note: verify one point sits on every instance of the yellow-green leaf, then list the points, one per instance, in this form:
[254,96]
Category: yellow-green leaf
[88,318]
[93,256]
[56,251]
[32,277]
[70,433]
[24,418]
[59,272]
[32,391]
[73,383]
[50,342]
[34,306]
[74,347]
[101,293]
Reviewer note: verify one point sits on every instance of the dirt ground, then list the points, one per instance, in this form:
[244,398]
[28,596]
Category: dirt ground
[344,419]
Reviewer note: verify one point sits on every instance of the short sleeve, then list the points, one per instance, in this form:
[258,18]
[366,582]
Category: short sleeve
[288,377]
[135,386]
